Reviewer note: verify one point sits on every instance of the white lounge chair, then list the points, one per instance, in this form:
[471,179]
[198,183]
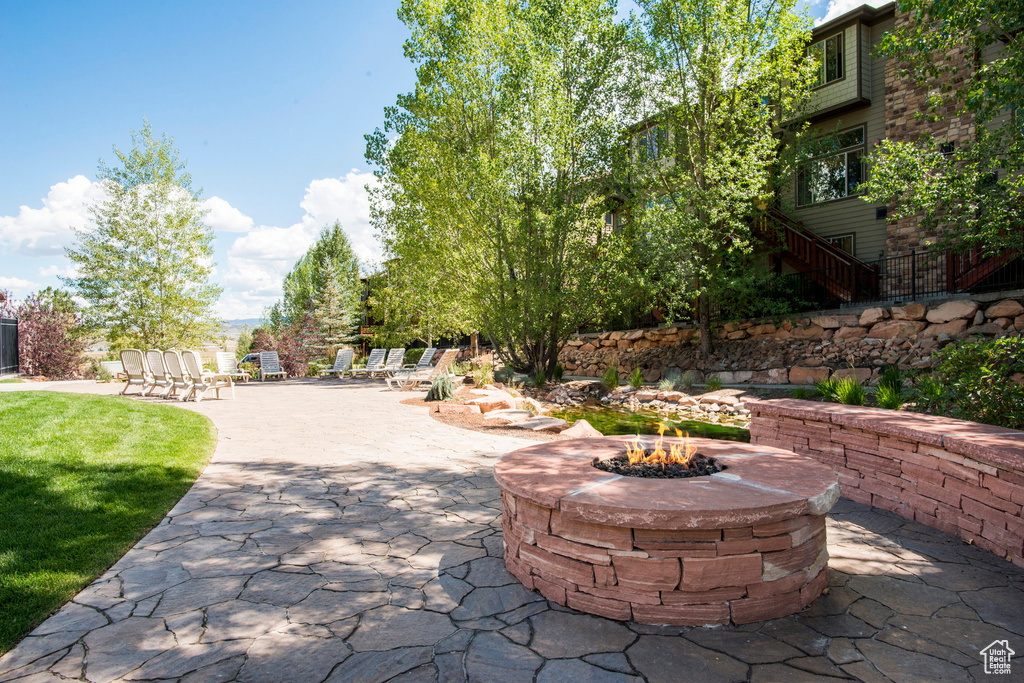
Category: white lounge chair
[394,362]
[424,361]
[135,371]
[342,364]
[203,382]
[226,365]
[270,366]
[410,379]
[375,363]
[155,360]
[176,375]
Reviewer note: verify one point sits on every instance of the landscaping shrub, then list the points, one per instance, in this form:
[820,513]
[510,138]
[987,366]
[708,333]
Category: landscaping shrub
[666,384]
[850,392]
[800,393]
[558,372]
[539,379]
[636,378]
[828,389]
[981,380]
[687,380]
[714,383]
[504,375]
[610,380]
[412,356]
[483,374]
[50,336]
[890,388]
[442,389]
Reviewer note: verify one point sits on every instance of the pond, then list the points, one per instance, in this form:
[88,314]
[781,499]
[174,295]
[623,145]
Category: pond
[610,421]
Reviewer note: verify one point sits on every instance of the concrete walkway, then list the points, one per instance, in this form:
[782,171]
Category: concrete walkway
[340,536]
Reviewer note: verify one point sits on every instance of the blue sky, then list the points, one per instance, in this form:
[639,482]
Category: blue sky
[268,101]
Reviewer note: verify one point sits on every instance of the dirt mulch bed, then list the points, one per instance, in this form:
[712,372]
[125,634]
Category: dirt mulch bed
[476,421]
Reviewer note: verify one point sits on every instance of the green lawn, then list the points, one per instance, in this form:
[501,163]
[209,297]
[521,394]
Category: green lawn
[82,478]
[10,380]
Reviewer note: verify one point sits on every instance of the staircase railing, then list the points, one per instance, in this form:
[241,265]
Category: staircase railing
[842,274]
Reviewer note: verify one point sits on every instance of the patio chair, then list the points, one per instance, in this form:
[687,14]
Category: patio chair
[176,375]
[226,365]
[394,362]
[342,364]
[375,363]
[155,360]
[410,379]
[270,366]
[424,361]
[203,382]
[135,371]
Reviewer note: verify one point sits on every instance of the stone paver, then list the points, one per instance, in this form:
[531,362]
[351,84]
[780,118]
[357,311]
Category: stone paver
[338,535]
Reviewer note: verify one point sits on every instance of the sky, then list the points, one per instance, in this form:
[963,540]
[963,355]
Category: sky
[267,101]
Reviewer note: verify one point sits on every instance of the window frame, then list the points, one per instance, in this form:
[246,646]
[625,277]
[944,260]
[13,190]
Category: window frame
[852,236]
[844,152]
[823,80]
[652,144]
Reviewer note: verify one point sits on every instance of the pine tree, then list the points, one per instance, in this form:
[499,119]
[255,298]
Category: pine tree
[335,310]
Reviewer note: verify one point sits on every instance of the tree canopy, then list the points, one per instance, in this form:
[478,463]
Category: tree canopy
[144,263]
[492,171]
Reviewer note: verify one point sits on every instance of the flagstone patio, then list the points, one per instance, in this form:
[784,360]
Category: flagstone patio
[341,536]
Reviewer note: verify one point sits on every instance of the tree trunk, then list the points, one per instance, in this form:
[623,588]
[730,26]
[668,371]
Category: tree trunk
[707,347]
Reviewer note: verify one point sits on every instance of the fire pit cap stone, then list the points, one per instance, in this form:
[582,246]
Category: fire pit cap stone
[761,485]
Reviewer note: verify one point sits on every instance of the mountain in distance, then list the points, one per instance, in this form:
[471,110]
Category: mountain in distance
[231,328]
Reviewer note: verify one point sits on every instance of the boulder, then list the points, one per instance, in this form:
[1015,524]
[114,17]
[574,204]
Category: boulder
[508,416]
[719,400]
[808,332]
[804,375]
[581,429]
[1007,308]
[952,310]
[670,396]
[588,348]
[851,333]
[862,375]
[492,400]
[896,329]
[872,316]
[760,330]
[457,408]
[908,312]
[990,329]
[951,329]
[652,374]
[644,396]
[542,424]
[738,334]
[827,321]
[533,404]
[777,376]
[633,335]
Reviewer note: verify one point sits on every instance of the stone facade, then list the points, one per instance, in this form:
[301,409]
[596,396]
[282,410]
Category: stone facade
[964,478]
[904,100]
[798,350]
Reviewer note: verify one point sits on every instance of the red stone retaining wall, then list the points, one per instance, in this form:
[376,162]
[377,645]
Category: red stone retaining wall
[687,577]
[964,478]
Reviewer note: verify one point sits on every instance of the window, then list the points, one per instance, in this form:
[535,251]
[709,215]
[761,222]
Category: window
[833,175]
[829,55]
[652,144]
[844,242]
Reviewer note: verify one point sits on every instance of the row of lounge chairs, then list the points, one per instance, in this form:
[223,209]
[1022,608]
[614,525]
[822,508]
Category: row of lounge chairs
[175,371]
[391,367]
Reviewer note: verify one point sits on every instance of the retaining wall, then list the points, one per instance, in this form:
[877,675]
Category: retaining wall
[964,478]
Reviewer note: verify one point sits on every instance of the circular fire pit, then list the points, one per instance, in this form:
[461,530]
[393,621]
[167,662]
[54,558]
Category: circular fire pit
[741,545]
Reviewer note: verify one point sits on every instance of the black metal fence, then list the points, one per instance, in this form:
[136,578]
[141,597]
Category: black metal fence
[913,276]
[8,345]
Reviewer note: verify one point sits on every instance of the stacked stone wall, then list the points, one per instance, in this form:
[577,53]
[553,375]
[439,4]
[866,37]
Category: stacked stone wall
[798,350]
[964,478]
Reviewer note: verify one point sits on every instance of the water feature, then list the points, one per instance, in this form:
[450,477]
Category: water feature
[610,421]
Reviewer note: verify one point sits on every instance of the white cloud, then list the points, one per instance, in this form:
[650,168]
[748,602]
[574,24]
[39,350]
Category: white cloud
[837,8]
[58,271]
[223,217]
[258,261]
[48,229]
[17,286]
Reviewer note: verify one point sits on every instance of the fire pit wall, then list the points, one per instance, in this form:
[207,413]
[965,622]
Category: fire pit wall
[706,550]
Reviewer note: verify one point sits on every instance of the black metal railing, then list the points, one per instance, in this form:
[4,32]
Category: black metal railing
[8,345]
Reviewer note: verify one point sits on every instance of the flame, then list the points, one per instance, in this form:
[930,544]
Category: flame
[678,453]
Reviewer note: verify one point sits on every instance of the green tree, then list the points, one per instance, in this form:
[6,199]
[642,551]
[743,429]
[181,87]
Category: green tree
[970,57]
[307,278]
[335,310]
[492,172]
[144,265]
[244,342]
[717,78]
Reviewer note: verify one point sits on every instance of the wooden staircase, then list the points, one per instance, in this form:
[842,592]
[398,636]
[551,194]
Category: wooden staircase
[843,276]
[967,270]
